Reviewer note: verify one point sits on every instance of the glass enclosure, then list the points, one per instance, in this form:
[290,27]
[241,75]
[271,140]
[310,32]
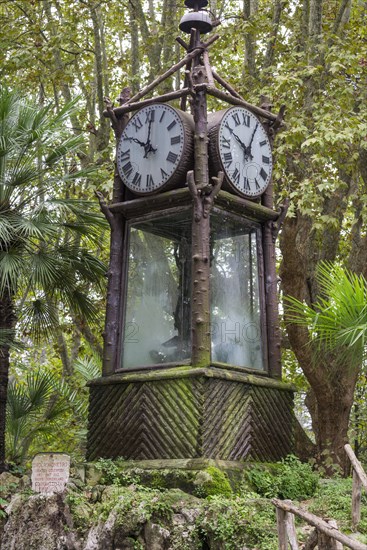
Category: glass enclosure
[157,318]
[235,292]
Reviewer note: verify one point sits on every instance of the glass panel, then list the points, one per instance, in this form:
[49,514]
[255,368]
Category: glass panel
[157,322]
[235,296]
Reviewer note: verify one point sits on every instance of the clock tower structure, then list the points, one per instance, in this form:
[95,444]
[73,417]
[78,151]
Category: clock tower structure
[191,365]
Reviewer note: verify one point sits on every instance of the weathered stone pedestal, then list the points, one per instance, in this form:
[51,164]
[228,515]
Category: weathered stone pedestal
[188,413]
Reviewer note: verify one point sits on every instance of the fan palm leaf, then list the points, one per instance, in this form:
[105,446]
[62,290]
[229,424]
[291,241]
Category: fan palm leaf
[36,407]
[33,227]
[338,321]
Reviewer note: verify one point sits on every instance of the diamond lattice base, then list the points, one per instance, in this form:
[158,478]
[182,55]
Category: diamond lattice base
[190,413]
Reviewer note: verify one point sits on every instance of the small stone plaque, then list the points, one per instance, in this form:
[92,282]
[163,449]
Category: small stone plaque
[50,472]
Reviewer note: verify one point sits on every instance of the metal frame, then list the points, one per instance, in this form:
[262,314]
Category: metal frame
[204,194]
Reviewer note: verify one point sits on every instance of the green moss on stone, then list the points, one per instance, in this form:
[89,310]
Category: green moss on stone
[211,482]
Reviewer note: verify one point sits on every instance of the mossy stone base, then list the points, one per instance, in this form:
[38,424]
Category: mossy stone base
[187,413]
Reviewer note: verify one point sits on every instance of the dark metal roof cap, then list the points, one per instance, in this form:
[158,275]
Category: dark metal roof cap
[199,3]
[196,20]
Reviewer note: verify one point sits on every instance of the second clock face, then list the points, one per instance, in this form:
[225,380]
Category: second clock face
[151,148]
[245,152]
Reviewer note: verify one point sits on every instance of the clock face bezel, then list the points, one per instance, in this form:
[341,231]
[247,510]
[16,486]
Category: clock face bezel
[145,171]
[246,159]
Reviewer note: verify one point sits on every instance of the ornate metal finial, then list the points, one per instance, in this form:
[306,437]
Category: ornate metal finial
[196,19]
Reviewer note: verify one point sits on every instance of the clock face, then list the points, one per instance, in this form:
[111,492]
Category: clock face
[245,152]
[150,148]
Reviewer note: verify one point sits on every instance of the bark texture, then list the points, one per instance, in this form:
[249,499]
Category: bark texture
[7,320]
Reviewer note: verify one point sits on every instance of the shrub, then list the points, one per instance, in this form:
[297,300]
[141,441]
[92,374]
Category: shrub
[288,479]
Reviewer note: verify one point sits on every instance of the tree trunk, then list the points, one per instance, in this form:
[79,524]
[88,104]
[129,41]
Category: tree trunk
[332,384]
[331,411]
[7,324]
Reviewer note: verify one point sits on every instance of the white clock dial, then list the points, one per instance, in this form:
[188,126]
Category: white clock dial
[151,148]
[245,152]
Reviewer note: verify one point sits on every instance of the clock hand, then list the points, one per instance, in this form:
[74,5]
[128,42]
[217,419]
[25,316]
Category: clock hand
[240,142]
[248,153]
[149,127]
[135,140]
[149,149]
[148,146]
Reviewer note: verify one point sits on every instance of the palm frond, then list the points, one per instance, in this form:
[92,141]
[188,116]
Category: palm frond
[81,304]
[83,211]
[89,368]
[6,228]
[39,317]
[33,226]
[40,386]
[66,147]
[8,340]
[44,269]
[63,114]
[11,265]
[83,263]
[338,321]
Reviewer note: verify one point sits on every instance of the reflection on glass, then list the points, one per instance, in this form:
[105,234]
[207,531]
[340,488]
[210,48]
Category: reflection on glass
[157,321]
[235,297]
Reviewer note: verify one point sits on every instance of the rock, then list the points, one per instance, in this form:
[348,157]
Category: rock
[39,522]
[25,482]
[8,484]
[156,536]
[102,535]
[92,474]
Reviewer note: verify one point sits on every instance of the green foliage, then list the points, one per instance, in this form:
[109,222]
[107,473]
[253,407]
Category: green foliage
[288,479]
[37,407]
[114,474]
[339,319]
[334,499]
[238,522]
[212,481]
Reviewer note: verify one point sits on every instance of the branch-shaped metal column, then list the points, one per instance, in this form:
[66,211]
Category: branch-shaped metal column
[203,193]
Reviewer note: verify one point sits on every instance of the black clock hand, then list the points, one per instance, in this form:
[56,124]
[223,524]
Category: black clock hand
[240,142]
[149,149]
[148,146]
[135,140]
[149,127]
[250,144]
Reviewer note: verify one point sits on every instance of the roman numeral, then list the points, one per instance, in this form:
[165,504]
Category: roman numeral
[171,157]
[124,155]
[162,116]
[236,176]
[175,140]
[246,120]
[228,127]
[127,169]
[263,174]
[227,159]
[236,119]
[137,179]
[150,181]
[246,184]
[150,116]
[137,123]
[170,126]
[262,143]
[164,174]
[257,185]
[266,160]
[226,143]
